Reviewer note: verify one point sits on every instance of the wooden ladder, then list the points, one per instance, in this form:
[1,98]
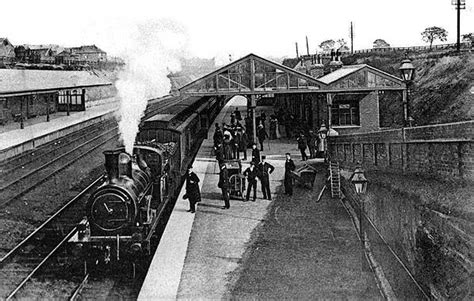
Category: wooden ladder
[335,177]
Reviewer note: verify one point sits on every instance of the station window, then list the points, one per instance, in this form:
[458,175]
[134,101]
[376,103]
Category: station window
[345,113]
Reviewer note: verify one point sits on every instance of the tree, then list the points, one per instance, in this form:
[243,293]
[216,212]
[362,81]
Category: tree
[468,38]
[380,43]
[327,45]
[341,43]
[434,33]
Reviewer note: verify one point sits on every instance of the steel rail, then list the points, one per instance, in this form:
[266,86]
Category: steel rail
[62,143]
[5,202]
[45,223]
[397,258]
[28,277]
[54,160]
[79,288]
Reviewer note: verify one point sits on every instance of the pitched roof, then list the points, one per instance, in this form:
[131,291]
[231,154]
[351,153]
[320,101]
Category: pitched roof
[244,86]
[340,73]
[17,81]
[86,49]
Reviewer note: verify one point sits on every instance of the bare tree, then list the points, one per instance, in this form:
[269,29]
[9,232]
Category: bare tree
[434,33]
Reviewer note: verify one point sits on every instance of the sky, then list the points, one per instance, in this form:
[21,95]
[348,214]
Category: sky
[209,28]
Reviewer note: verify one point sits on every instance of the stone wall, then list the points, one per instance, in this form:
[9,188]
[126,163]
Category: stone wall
[445,150]
[435,248]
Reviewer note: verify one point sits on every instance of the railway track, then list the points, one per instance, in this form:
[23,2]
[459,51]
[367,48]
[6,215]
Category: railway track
[30,180]
[19,265]
[37,254]
[22,163]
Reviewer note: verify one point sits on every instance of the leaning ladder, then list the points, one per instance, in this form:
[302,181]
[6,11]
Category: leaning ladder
[335,177]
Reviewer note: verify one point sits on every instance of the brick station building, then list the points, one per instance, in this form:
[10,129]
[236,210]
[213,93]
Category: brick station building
[348,103]
[30,93]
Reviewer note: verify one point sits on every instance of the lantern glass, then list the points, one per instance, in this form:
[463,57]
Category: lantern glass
[407,70]
[359,180]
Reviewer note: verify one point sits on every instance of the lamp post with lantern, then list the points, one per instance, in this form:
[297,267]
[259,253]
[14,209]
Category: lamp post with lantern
[322,135]
[359,181]
[407,71]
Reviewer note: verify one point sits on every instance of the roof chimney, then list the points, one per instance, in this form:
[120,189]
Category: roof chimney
[335,61]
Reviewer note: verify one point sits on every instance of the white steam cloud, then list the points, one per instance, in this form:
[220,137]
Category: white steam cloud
[152,50]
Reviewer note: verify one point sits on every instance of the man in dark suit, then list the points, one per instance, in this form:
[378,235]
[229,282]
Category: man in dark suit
[192,189]
[255,154]
[244,140]
[264,171]
[251,174]
[289,167]
[224,185]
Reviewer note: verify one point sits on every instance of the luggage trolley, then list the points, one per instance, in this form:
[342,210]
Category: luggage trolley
[236,178]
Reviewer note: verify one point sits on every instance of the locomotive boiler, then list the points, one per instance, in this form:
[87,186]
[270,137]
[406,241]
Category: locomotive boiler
[123,213]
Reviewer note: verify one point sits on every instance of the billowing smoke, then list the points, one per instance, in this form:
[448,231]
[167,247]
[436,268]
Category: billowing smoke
[152,50]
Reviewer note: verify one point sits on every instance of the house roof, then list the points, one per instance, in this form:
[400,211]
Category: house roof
[87,49]
[360,77]
[20,81]
[340,73]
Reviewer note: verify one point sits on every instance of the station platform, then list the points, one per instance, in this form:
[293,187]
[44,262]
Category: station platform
[287,248]
[37,131]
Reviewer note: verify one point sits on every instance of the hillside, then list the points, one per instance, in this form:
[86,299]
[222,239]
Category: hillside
[442,91]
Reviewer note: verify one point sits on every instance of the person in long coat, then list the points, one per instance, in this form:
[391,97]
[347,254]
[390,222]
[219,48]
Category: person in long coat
[192,189]
[312,145]
[302,147]
[218,136]
[255,154]
[224,185]
[289,167]
[243,143]
[261,135]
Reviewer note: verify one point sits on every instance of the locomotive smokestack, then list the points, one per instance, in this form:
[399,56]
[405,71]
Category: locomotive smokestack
[111,164]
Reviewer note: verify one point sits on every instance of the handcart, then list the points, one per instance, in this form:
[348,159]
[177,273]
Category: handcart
[236,178]
[305,175]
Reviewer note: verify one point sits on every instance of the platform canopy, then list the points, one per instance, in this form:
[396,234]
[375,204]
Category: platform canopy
[252,75]
[361,77]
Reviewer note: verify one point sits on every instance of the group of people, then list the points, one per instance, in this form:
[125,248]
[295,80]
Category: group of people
[313,143]
[229,142]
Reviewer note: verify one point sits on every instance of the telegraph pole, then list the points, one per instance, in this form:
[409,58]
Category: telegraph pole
[307,46]
[460,4]
[352,39]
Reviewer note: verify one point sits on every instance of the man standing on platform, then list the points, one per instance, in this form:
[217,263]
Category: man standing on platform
[224,184]
[192,189]
[265,169]
[289,167]
[302,147]
[251,174]
[244,140]
[255,154]
[261,134]
[312,145]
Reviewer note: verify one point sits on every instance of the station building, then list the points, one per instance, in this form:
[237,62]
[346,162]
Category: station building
[30,93]
[345,100]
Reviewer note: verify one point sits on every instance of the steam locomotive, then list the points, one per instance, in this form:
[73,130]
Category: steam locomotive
[124,212]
